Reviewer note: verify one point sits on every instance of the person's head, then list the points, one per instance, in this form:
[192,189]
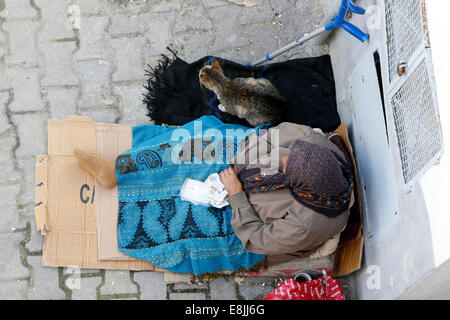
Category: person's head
[314,168]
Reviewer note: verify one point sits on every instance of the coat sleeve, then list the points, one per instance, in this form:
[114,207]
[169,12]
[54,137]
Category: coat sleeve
[282,236]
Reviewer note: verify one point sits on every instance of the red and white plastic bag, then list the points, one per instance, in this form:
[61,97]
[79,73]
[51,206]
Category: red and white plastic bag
[324,288]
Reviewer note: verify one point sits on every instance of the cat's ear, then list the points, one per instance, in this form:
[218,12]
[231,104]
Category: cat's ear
[216,66]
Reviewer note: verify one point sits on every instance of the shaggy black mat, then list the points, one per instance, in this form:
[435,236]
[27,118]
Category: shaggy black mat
[174,95]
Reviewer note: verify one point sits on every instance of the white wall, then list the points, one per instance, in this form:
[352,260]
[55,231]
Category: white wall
[405,253]
[436,183]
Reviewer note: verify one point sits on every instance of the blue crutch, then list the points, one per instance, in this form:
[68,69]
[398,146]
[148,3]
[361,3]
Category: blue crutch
[337,21]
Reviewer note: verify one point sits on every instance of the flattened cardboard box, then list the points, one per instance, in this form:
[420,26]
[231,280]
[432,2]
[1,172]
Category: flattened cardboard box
[108,141]
[65,194]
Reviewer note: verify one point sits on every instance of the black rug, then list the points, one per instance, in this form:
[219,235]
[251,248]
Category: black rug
[175,96]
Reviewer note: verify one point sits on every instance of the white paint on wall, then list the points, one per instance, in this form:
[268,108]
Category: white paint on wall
[436,182]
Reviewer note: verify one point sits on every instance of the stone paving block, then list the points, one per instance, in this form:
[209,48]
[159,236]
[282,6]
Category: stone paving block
[258,281]
[167,5]
[73,270]
[189,286]
[89,7]
[27,92]
[101,114]
[258,14]
[8,174]
[254,288]
[239,55]
[18,9]
[32,130]
[11,267]
[36,241]
[3,44]
[87,288]
[45,281]
[54,19]
[293,27]
[187,296]
[263,38]
[125,24]
[58,64]
[5,81]
[132,107]
[95,84]
[215,3]
[62,102]
[13,290]
[195,45]
[4,100]
[193,18]
[158,31]
[287,23]
[129,58]
[223,289]
[281,5]
[93,38]
[228,31]
[152,285]
[118,282]
[9,214]
[255,292]
[21,41]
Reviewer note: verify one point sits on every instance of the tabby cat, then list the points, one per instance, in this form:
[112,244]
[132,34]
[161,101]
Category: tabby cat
[255,100]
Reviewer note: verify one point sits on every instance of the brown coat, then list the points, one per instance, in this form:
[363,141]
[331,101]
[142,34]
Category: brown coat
[274,223]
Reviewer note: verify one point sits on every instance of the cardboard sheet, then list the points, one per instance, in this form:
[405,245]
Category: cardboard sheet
[65,194]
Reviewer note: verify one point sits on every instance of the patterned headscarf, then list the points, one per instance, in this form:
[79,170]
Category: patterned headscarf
[317,177]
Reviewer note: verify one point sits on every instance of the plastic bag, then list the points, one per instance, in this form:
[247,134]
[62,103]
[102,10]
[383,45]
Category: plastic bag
[324,288]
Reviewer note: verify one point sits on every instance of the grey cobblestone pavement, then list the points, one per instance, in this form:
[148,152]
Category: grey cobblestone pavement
[85,57]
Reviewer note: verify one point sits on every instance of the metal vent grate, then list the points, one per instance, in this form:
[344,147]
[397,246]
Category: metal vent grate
[417,123]
[404,27]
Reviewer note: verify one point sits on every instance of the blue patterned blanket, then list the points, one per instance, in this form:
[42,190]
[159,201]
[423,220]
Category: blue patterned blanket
[154,224]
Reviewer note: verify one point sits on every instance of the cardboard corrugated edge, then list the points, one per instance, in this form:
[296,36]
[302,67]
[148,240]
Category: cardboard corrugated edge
[40,195]
[348,255]
[61,247]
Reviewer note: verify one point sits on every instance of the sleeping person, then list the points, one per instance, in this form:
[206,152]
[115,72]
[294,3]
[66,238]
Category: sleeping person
[295,205]
[301,206]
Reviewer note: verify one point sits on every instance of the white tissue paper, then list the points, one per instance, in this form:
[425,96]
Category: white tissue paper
[208,193]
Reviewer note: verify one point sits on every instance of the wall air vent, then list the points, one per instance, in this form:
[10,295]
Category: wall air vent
[411,90]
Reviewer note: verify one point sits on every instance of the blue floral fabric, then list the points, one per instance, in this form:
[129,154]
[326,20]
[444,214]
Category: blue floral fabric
[154,224]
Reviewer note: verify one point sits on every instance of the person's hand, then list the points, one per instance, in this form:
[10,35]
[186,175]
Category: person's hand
[230,181]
